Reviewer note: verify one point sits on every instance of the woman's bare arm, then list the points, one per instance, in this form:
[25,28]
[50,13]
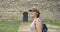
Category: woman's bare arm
[38,26]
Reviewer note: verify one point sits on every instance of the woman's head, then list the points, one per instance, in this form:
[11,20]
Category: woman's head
[33,12]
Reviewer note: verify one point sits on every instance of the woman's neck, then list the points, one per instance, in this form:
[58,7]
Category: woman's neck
[34,18]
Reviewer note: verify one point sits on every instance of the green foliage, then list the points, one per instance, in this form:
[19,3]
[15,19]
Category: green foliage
[8,31]
[9,26]
[56,23]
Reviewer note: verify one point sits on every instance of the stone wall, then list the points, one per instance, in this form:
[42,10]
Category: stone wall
[13,9]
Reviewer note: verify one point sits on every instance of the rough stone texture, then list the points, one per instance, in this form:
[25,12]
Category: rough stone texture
[13,9]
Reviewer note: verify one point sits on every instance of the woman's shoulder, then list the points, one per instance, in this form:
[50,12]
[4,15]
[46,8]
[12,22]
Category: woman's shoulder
[37,19]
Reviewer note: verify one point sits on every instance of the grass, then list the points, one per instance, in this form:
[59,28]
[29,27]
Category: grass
[53,23]
[9,26]
[8,31]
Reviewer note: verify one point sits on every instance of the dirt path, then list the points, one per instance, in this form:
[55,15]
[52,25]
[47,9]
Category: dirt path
[52,28]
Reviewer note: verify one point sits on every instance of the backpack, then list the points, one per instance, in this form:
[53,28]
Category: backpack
[44,28]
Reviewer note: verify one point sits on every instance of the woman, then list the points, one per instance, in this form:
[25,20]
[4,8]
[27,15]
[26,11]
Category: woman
[36,25]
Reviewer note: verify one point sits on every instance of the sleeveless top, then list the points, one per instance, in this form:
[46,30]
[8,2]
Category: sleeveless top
[32,26]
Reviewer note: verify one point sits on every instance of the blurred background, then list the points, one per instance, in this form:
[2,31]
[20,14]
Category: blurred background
[14,14]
